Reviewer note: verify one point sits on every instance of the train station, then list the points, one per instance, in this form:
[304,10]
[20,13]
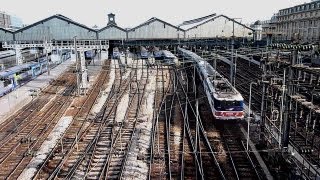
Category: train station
[207,97]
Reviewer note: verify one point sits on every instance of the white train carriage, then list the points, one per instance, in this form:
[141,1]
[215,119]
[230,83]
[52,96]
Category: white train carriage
[225,101]
[16,76]
[116,53]
[8,53]
[144,54]
[157,53]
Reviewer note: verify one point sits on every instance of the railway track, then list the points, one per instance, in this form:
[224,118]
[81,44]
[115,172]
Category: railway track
[20,119]
[78,164]
[80,111]
[228,142]
[124,134]
[242,163]
[106,140]
[228,151]
[18,146]
[161,138]
[298,131]
[198,159]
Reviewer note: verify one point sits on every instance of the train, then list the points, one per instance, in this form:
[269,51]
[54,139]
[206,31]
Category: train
[144,54]
[167,56]
[4,54]
[163,55]
[16,76]
[115,53]
[9,53]
[60,55]
[90,54]
[157,53]
[225,101]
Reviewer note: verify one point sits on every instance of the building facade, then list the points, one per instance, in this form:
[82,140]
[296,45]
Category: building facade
[10,22]
[300,23]
[5,20]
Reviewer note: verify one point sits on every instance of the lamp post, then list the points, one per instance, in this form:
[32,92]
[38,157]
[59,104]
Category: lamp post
[248,132]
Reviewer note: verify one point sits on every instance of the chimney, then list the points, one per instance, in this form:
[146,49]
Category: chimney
[111,19]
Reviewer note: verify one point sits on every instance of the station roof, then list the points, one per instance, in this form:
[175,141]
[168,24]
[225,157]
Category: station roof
[190,23]
[153,19]
[187,25]
[110,26]
[5,30]
[58,16]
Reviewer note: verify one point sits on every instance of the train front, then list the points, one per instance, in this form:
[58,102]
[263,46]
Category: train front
[228,106]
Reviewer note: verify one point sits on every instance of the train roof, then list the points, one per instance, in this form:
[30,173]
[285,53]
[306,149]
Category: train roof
[14,69]
[155,48]
[7,52]
[168,54]
[142,48]
[219,86]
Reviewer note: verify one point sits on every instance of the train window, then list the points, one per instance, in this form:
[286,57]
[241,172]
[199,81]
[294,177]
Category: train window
[230,103]
[6,82]
[37,69]
[225,105]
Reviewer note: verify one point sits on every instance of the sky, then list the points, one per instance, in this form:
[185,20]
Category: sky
[130,13]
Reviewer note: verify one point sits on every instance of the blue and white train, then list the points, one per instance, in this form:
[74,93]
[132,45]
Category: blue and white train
[168,57]
[115,53]
[8,53]
[144,54]
[16,76]
[225,101]
[90,54]
[157,53]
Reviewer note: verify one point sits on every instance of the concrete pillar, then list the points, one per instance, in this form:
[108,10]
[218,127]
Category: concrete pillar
[19,59]
[269,39]
[83,70]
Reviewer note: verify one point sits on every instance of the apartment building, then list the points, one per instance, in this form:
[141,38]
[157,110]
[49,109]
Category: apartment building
[300,23]
[5,20]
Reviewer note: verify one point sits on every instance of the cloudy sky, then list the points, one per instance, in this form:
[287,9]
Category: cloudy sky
[130,13]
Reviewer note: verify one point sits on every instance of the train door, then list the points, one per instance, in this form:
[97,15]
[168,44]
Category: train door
[23,74]
[36,70]
[6,85]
